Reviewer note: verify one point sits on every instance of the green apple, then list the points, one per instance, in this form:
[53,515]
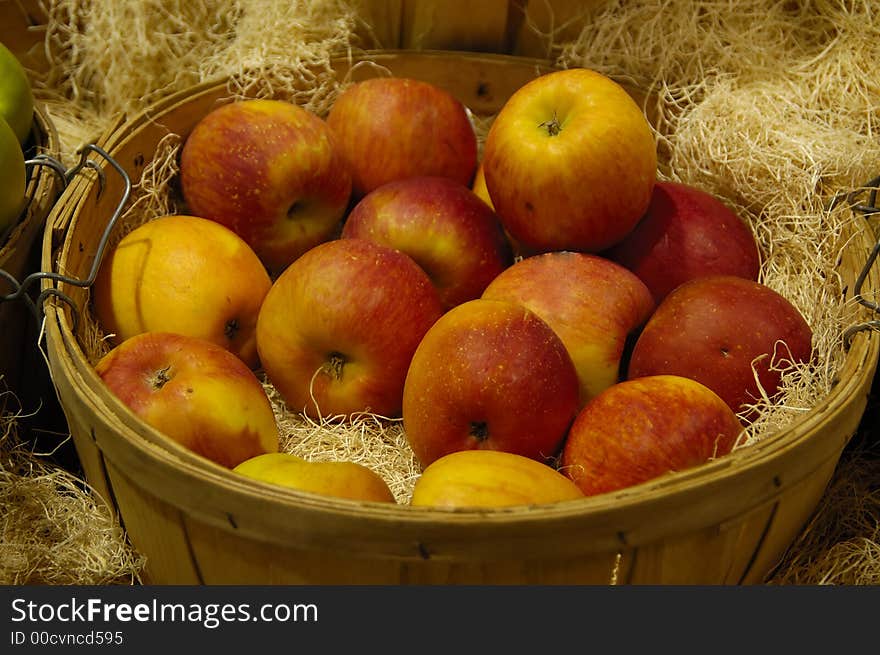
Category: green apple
[12,179]
[16,95]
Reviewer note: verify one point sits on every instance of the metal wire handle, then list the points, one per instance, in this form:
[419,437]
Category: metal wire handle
[867,209]
[20,289]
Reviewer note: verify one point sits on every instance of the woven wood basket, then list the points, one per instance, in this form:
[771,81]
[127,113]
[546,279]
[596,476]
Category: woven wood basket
[726,522]
[20,251]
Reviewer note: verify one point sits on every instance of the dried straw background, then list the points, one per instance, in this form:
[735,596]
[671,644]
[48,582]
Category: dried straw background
[772,105]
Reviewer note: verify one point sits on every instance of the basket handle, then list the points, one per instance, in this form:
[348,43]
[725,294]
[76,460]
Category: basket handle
[867,209]
[20,289]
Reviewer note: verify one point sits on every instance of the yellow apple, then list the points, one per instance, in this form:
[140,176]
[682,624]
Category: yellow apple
[195,392]
[490,478]
[341,479]
[186,275]
[478,186]
[570,162]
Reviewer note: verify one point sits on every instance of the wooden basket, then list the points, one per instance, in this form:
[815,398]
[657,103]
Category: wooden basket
[20,252]
[726,522]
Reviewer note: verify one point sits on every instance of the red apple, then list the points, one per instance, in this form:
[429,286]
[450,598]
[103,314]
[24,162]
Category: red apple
[269,170]
[687,233]
[570,162]
[724,331]
[638,430]
[593,305]
[452,234]
[338,328]
[195,392]
[390,128]
[490,375]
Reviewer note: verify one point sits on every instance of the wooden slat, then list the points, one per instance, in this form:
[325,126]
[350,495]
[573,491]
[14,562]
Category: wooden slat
[157,530]
[455,25]
[379,26]
[795,507]
[550,23]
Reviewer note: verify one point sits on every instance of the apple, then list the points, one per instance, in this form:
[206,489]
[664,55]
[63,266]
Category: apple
[195,392]
[183,274]
[270,171]
[490,478]
[687,233]
[478,186]
[453,235]
[13,181]
[594,305]
[570,162]
[16,96]
[724,331]
[489,375]
[338,328]
[334,478]
[390,128]
[638,430]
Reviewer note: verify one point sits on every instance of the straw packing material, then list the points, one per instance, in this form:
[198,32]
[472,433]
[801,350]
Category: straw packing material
[110,59]
[53,530]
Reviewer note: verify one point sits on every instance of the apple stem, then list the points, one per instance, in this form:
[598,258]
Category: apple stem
[231,328]
[553,126]
[160,378]
[334,365]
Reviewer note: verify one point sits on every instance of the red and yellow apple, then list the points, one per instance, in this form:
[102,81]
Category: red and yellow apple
[339,326]
[13,180]
[727,332]
[489,375]
[390,128]
[594,305]
[194,392]
[638,430]
[340,479]
[687,233]
[16,96]
[570,162]
[187,275]
[453,235]
[490,478]
[269,170]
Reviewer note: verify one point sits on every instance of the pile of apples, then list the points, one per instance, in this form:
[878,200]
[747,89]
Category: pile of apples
[16,121]
[549,320]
